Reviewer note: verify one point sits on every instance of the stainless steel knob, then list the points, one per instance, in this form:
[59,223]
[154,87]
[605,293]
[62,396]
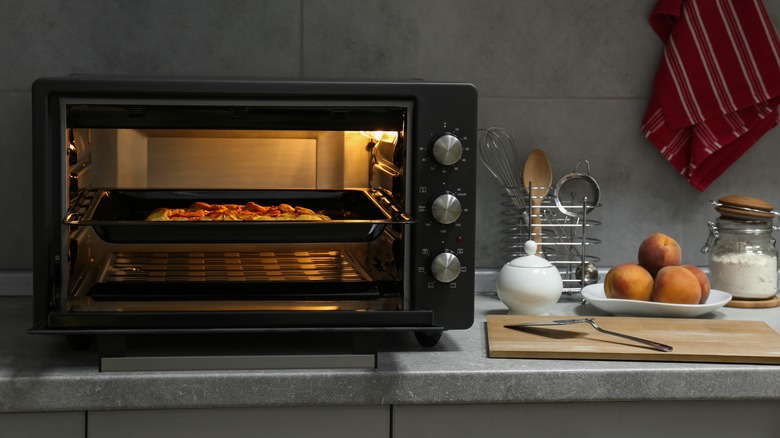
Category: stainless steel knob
[446,208]
[447,149]
[445,267]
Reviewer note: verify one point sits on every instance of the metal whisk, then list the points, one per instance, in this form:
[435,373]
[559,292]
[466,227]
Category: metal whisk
[498,153]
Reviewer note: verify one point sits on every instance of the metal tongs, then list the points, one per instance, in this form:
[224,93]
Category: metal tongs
[656,345]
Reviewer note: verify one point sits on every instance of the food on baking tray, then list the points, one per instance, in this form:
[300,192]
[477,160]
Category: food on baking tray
[202,211]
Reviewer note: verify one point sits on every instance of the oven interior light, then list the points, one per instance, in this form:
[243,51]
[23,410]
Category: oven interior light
[381,136]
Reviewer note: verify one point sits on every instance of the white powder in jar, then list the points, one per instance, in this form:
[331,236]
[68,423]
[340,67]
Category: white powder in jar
[744,275]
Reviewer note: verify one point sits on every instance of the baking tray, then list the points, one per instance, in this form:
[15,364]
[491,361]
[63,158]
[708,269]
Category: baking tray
[118,216]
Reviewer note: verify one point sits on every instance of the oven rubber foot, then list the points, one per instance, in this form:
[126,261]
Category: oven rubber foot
[365,343]
[80,342]
[428,339]
[111,345]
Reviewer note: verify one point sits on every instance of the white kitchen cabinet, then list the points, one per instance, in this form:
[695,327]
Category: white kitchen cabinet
[711,419]
[288,422]
[43,425]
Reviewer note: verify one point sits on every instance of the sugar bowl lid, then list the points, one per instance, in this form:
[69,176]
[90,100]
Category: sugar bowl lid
[530,260]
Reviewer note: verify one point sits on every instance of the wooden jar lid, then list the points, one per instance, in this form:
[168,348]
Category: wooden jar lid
[746,202]
[744,207]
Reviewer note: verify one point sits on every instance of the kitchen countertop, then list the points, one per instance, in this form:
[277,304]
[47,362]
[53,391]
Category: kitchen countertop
[42,373]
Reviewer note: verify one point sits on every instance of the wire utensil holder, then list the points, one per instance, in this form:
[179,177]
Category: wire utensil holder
[564,234]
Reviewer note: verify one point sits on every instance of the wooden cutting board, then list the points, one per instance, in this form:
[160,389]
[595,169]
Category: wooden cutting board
[694,340]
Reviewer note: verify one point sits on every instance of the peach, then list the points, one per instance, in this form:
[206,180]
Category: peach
[657,251]
[704,282]
[676,285]
[628,281]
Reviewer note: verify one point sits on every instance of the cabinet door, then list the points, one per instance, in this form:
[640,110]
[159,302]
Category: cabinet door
[43,425]
[711,419]
[288,422]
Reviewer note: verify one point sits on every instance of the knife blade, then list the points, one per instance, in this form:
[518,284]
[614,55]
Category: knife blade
[554,322]
[656,345]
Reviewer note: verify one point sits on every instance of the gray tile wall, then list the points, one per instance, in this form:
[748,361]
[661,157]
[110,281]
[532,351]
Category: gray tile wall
[570,76]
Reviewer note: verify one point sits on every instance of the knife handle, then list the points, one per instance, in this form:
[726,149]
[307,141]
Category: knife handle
[656,345]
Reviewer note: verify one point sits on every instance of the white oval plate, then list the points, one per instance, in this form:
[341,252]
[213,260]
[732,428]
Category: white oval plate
[594,294]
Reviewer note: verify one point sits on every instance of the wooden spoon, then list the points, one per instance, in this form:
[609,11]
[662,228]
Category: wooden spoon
[537,178]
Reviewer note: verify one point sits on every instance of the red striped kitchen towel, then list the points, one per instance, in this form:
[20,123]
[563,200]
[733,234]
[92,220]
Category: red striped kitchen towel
[718,86]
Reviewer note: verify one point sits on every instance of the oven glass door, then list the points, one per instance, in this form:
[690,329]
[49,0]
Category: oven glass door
[343,160]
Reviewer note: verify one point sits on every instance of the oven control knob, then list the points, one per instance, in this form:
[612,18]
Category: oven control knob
[447,149]
[446,208]
[445,266]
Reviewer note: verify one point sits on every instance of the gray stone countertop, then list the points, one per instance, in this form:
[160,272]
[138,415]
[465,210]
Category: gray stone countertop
[42,373]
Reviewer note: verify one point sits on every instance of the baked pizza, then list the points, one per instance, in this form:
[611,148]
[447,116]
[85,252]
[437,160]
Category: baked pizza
[202,211]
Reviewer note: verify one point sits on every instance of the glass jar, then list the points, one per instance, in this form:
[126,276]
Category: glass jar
[743,258]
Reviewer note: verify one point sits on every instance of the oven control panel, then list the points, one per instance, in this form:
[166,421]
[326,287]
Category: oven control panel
[445,190]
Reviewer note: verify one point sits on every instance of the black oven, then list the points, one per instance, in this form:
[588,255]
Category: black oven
[385,173]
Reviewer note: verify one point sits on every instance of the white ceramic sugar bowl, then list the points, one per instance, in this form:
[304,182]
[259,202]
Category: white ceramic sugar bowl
[529,285]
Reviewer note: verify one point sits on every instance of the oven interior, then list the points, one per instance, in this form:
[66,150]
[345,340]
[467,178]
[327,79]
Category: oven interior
[123,160]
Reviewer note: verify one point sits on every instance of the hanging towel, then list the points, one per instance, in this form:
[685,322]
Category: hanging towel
[718,85]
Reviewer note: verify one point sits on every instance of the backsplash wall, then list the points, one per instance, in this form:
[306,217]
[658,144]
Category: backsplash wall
[570,76]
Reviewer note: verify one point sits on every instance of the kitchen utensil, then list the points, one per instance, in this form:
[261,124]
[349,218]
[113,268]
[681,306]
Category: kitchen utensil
[577,193]
[114,214]
[560,232]
[694,339]
[588,272]
[657,345]
[498,153]
[577,268]
[529,285]
[514,229]
[537,177]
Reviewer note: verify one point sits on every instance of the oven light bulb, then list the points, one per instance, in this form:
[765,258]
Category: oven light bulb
[381,136]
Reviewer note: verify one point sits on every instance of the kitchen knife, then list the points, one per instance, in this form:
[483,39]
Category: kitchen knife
[657,345]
